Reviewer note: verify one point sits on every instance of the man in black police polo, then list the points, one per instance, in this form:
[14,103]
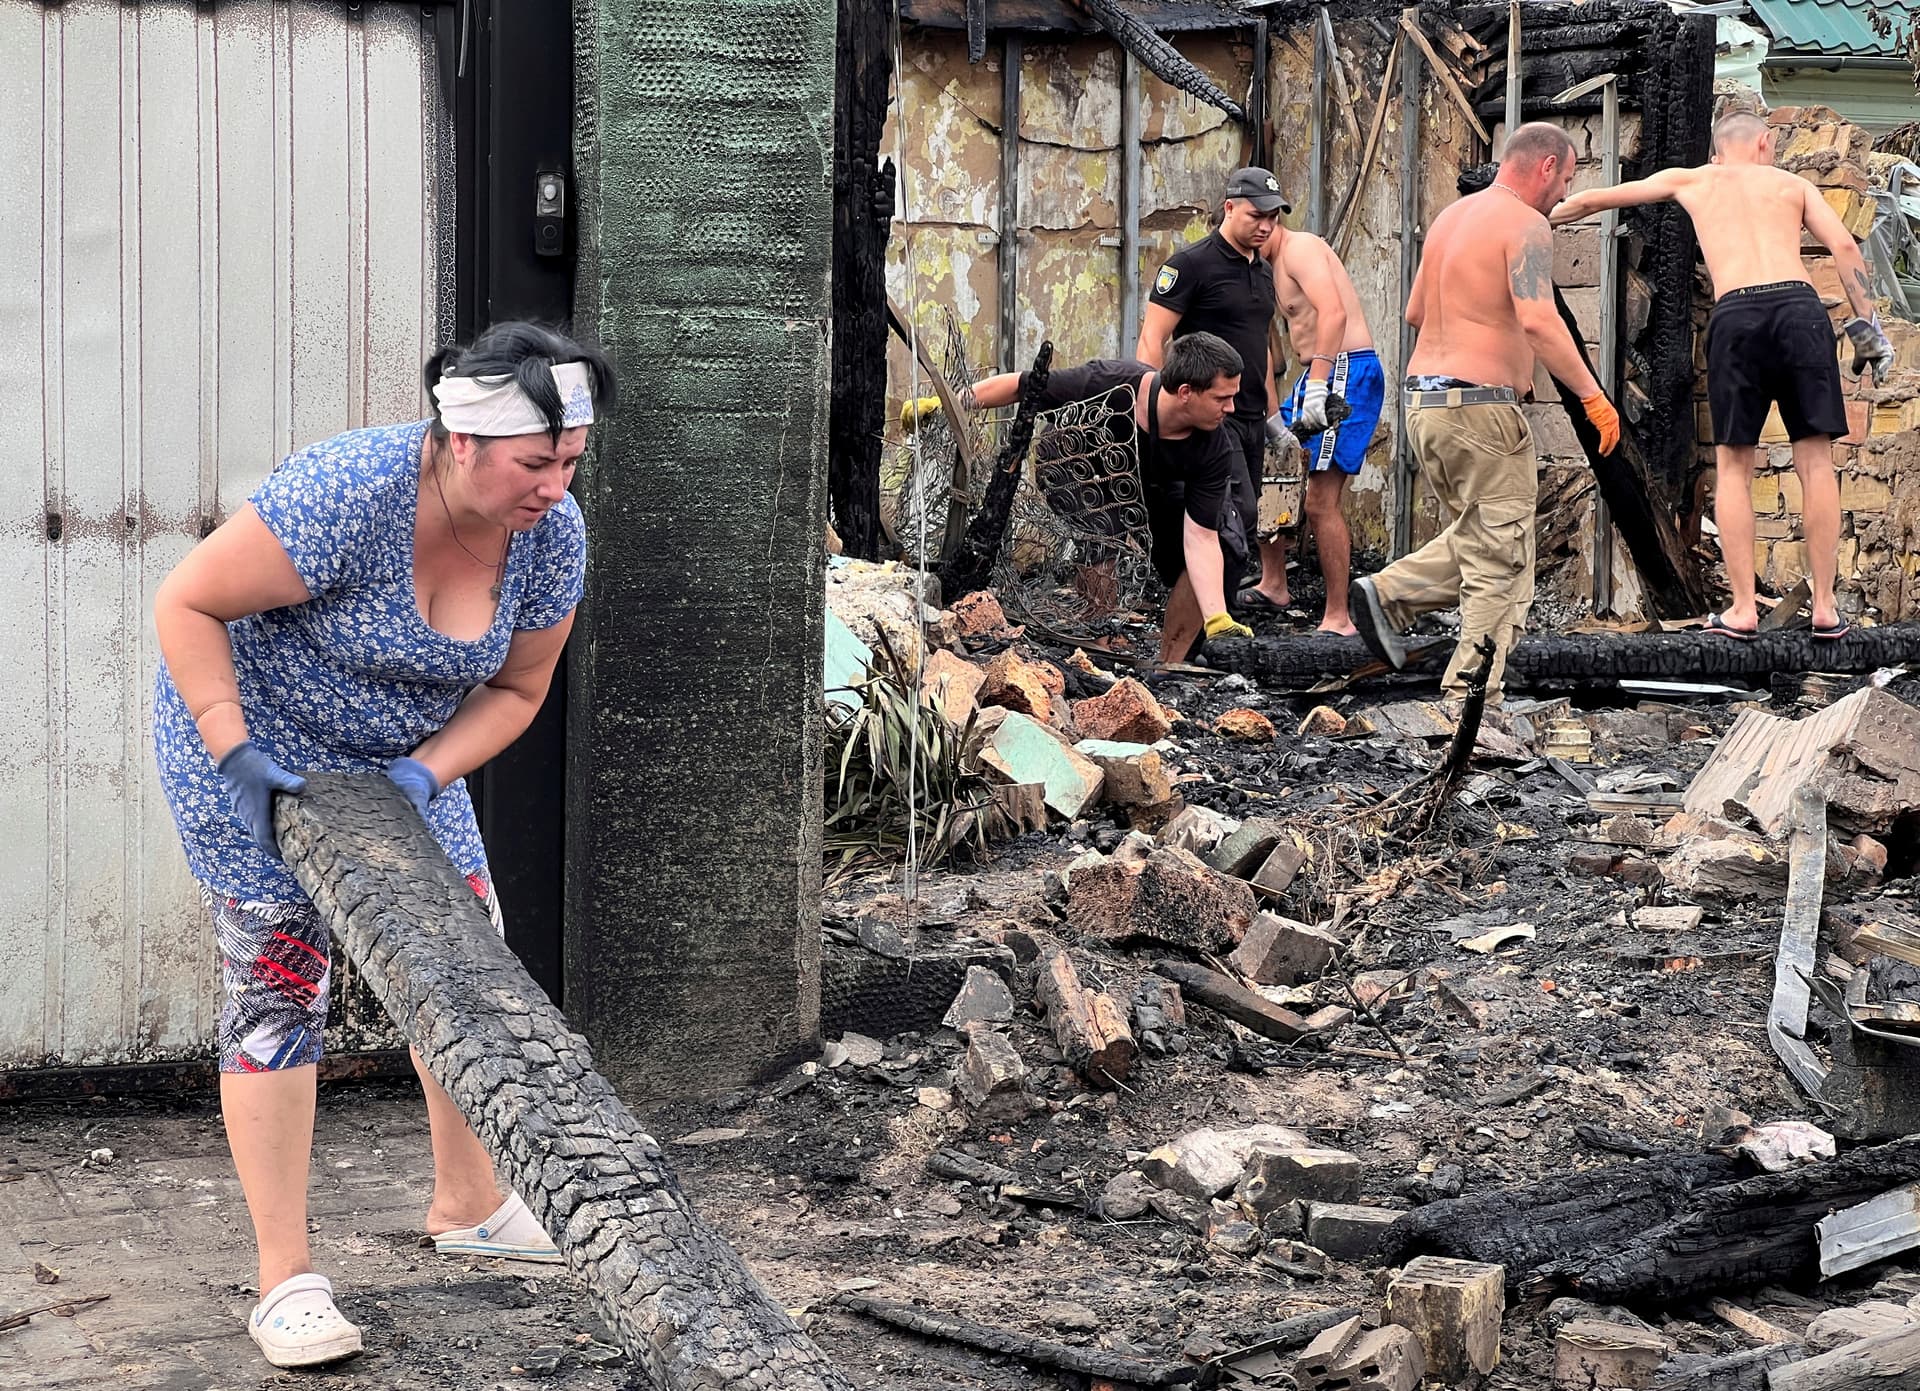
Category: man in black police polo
[1222,285]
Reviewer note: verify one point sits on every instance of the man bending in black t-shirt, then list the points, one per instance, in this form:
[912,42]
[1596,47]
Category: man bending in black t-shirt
[1187,467]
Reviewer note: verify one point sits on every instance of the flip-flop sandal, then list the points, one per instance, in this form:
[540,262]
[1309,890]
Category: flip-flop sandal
[511,1234]
[1253,601]
[1717,624]
[1837,631]
[297,1325]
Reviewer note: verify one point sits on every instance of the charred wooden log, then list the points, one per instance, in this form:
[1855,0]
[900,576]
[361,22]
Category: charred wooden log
[1092,1362]
[682,1303]
[1158,56]
[1526,1228]
[862,214]
[1655,1230]
[972,567]
[1589,658]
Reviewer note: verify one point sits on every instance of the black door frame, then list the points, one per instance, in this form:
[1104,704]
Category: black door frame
[506,70]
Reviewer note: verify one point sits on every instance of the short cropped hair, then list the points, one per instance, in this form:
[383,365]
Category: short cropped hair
[1199,360]
[1736,128]
[1534,143]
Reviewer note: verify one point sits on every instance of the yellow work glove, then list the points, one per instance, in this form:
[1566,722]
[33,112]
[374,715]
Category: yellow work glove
[1605,419]
[1224,625]
[915,412]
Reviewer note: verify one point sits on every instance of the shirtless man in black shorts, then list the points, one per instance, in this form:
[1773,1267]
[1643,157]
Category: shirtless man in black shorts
[1769,341]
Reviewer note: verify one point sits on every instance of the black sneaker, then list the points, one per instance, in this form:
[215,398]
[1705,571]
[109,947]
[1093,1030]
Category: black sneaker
[1375,631]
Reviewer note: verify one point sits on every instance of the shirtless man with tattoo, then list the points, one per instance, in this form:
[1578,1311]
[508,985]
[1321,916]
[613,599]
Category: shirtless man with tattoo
[1769,341]
[1483,305]
[1329,334]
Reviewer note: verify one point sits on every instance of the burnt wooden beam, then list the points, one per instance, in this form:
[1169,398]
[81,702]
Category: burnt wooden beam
[862,218]
[1545,659]
[1625,1238]
[972,566]
[1066,17]
[976,30]
[1139,36]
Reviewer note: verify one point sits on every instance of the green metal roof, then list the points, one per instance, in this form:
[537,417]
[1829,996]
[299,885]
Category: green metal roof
[1849,27]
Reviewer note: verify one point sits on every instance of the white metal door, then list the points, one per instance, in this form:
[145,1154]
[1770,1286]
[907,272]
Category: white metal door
[218,241]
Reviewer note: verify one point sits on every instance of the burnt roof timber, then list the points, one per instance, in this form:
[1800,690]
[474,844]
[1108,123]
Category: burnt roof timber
[1064,17]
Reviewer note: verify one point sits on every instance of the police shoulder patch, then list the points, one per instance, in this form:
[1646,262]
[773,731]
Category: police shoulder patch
[1164,281]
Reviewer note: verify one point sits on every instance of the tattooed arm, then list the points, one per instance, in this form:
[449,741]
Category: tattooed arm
[1827,228]
[1530,274]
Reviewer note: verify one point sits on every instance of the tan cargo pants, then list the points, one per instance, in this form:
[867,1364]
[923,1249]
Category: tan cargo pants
[1479,461]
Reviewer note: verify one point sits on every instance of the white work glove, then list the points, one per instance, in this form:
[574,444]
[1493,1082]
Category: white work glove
[1870,348]
[1278,433]
[1311,418]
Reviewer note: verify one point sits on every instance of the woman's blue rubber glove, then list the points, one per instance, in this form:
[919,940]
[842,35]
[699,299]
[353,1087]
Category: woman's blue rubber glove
[415,779]
[252,778]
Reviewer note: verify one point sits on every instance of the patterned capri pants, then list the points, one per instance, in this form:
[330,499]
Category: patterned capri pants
[274,974]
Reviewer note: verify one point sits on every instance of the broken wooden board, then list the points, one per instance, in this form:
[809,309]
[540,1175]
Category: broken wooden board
[1890,1362]
[1799,935]
[1862,752]
[1222,995]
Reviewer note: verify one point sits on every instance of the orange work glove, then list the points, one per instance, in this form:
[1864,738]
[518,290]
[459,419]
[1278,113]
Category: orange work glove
[1605,419]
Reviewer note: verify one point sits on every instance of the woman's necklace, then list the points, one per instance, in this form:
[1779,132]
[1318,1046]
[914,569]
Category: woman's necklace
[499,567]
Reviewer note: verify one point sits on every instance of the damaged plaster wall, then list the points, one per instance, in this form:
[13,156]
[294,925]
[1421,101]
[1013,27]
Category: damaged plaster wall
[1068,200]
[694,728]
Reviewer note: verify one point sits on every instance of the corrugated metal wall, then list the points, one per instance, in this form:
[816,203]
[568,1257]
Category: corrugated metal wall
[218,241]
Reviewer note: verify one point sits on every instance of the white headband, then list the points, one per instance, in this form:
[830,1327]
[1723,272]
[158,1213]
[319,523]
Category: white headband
[497,405]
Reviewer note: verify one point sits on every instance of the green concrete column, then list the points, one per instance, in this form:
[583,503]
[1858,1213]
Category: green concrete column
[704,137]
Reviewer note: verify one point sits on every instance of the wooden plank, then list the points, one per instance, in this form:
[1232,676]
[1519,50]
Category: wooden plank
[1198,985]
[1799,933]
[1890,1362]
[1347,219]
[1889,939]
[1409,21]
[1750,1323]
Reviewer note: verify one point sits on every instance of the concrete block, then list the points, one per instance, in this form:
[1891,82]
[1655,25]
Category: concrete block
[1280,951]
[992,1072]
[1200,1164]
[951,685]
[1169,897]
[1275,1175]
[1030,687]
[1135,774]
[1196,830]
[979,615]
[1454,1307]
[1022,807]
[984,1000]
[1349,1232]
[1349,1356]
[1126,712]
[1276,873]
[1244,727]
[1589,1353]
[1576,256]
[1024,750]
[1247,848]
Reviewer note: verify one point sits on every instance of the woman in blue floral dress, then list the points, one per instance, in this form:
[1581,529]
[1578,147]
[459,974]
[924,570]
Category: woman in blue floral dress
[393,599]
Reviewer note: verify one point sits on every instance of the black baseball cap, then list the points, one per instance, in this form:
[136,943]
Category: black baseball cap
[1258,187]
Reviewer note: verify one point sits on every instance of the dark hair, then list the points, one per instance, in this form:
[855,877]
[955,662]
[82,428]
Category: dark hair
[1534,143]
[1199,360]
[527,352]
